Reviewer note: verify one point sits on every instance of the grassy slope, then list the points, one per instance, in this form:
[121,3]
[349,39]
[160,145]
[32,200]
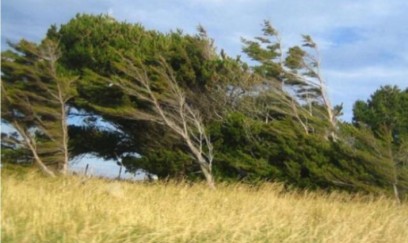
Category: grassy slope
[73,209]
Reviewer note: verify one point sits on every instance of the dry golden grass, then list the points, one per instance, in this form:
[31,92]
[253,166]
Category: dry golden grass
[73,209]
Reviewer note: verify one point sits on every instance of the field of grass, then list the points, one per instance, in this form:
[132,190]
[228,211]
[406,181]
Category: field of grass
[75,209]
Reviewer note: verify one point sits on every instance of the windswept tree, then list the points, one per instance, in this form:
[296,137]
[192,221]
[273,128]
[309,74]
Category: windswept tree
[388,106]
[386,115]
[310,86]
[272,97]
[94,44]
[35,93]
[158,88]
[178,109]
[292,79]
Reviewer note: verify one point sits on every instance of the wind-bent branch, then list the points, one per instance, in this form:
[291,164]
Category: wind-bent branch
[170,108]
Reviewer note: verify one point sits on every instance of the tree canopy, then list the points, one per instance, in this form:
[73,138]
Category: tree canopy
[190,112]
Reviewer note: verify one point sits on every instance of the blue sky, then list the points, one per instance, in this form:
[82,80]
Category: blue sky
[364,44]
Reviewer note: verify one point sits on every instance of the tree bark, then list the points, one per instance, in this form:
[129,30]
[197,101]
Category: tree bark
[31,146]
[173,111]
[64,165]
[389,140]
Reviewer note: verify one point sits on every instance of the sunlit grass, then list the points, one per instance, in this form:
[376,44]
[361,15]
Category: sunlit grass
[75,209]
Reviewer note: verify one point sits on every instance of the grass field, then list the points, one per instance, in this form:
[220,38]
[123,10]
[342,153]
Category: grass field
[75,209]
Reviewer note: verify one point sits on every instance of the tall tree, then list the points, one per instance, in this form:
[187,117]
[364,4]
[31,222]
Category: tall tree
[93,44]
[388,106]
[305,71]
[35,93]
[386,114]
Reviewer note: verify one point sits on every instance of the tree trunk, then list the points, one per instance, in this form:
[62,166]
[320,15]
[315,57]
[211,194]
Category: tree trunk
[295,111]
[208,175]
[396,193]
[31,146]
[64,166]
[393,163]
[174,112]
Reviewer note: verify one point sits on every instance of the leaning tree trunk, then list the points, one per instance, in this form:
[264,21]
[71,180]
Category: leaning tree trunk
[170,109]
[31,145]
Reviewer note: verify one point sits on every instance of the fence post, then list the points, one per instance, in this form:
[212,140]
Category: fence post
[86,169]
[120,171]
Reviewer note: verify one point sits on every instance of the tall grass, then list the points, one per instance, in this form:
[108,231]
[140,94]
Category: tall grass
[75,209]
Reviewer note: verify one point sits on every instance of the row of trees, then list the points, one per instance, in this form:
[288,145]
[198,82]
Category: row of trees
[190,111]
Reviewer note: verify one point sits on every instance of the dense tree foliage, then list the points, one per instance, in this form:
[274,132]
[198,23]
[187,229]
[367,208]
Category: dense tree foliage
[386,115]
[386,107]
[180,110]
[198,71]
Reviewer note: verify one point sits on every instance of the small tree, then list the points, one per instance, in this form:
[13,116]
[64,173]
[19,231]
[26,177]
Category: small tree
[304,70]
[35,93]
[292,80]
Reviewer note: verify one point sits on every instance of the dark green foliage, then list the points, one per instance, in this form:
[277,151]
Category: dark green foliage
[96,42]
[165,163]
[91,41]
[269,122]
[266,51]
[90,48]
[387,107]
[103,143]
[386,115]
[92,51]
[294,58]
[278,151]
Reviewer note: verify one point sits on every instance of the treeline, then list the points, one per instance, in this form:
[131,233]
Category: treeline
[180,109]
